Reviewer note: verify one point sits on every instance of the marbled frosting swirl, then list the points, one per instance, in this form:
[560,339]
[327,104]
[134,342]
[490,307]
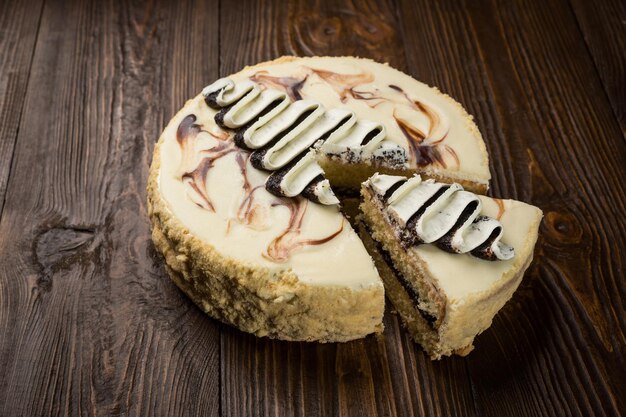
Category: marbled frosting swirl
[442,214]
[283,136]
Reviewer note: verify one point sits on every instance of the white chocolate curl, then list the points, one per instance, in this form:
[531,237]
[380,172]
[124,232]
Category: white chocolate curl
[285,135]
[445,213]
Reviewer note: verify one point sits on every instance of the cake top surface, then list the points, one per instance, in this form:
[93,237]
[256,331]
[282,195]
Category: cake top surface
[438,134]
[218,196]
[211,187]
[460,276]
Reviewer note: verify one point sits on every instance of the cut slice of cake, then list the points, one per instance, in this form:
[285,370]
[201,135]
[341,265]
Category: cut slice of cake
[449,259]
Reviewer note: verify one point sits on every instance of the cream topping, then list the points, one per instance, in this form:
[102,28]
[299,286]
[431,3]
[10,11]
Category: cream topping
[303,172]
[445,214]
[462,276]
[281,132]
[294,143]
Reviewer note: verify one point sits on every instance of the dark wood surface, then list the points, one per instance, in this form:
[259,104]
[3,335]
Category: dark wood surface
[91,325]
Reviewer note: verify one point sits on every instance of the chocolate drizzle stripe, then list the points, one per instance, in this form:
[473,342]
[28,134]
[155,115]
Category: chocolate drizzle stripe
[370,136]
[410,236]
[239,135]
[393,189]
[258,155]
[250,212]
[450,218]
[445,242]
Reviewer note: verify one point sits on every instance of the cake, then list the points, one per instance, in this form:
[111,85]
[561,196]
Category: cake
[246,180]
[450,259]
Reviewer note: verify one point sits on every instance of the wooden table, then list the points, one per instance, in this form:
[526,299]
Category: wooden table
[91,325]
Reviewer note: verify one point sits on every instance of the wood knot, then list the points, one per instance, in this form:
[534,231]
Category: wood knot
[356,32]
[563,227]
[320,33]
[59,248]
[329,31]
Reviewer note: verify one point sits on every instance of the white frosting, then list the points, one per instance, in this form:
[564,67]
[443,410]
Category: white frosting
[294,143]
[305,170]
[284,130]
[342,261]
[382,183]
[229,92]
[352,133]
[435,222]
[324,193]
[461,276]
[441,207]
[274,124]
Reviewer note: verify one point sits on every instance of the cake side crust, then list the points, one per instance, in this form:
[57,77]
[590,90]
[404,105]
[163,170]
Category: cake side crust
[417,326]
[432,299]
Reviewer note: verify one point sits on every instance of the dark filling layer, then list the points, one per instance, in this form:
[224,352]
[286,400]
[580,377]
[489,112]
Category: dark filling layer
[412,292]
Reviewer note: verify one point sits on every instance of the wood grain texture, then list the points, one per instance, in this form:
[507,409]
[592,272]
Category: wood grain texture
[558,146]
[90,324]
[604,29]
[19,22]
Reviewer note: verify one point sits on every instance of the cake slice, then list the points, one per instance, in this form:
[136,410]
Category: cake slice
[449,259]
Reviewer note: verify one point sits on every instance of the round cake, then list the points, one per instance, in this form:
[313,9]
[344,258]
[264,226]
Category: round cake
[244,185]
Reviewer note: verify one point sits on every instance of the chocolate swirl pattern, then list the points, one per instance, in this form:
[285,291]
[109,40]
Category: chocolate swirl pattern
[283,136]
[193,171]
[442,214]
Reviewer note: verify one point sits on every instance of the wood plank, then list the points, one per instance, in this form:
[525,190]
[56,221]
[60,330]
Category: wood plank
[382,376]
[90,323]
[19,22]
[558,347]
[603,29]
